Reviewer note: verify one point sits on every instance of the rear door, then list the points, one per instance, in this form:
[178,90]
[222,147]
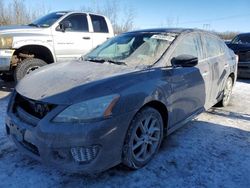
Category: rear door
[100,29]
[216,58]
[74,42]
[188,83]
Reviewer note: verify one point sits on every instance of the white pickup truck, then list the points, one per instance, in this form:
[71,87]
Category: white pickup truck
[58,36]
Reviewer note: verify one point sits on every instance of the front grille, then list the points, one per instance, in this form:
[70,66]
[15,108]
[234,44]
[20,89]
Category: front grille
[37,109]
[244,56]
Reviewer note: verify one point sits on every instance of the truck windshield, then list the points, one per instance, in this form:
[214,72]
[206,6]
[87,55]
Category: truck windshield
[48,20]
[241,39]
[133,49]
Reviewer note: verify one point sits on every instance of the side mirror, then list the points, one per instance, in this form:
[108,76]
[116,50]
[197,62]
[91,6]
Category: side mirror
[65,25]
[184,61]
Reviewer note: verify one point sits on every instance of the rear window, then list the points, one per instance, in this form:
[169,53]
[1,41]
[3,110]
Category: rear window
[99,24]
[213,46]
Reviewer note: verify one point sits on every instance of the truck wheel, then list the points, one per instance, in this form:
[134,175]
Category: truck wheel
[143,138]
[26,67]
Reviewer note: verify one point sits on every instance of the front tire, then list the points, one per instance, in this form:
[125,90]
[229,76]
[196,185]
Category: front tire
[26,67]
[143,138]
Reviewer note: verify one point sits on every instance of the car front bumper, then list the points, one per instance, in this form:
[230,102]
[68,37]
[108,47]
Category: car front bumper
[244,69]
[5,59]
[98,143]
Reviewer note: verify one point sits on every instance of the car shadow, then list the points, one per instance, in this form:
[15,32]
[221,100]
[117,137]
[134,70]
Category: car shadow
[229,114]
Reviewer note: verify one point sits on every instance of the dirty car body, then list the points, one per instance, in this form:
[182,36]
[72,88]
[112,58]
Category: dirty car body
[79,116]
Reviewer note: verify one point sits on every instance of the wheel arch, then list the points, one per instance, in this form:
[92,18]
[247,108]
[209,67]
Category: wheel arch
[37,51]
[161,108]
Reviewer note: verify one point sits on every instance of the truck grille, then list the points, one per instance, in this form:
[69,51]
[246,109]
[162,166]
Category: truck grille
[36,109]
[244,56]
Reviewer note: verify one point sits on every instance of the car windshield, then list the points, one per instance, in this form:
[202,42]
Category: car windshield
[241,39]
[48,20]
[133,49]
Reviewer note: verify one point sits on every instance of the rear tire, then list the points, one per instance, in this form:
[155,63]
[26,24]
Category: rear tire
[26,67]
[227,92]
[143,138]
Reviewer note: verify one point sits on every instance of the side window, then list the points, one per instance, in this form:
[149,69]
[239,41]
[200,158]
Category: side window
[79,23]
[99,24]
[213,46]
[190,45]
[223,47]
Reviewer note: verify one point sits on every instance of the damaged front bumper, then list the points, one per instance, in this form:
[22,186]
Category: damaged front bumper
[5,59]
[88,148]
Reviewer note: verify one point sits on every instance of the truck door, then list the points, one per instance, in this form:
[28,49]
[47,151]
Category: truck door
[100,30]
[73,41]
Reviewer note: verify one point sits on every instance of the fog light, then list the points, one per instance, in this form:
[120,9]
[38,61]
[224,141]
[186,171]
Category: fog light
[82,154]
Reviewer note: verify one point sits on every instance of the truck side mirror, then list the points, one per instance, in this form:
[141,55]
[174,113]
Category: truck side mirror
[65,25]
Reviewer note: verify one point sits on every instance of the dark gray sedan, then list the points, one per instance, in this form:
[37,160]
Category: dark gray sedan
[118,102]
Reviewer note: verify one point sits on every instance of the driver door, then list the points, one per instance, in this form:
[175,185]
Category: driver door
[75,41]
[190,85]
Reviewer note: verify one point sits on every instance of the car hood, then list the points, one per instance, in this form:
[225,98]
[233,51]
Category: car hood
[70,82]
[19,29]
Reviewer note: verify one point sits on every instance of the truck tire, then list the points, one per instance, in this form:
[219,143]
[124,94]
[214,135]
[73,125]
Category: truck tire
[26,67]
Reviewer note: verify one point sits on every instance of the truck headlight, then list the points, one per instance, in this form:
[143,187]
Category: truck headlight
[88,110]
[6,42]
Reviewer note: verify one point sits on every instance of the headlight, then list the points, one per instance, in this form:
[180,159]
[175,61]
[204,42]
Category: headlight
[6,42]
[88,110]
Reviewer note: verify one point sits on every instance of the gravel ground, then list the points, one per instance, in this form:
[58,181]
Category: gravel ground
[211,151]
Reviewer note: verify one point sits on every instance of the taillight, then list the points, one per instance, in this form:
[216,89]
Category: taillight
[237,58]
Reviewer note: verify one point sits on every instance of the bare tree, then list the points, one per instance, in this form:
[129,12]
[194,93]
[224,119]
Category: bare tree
[18,13]
[4,17]
[122,19]
[228,35]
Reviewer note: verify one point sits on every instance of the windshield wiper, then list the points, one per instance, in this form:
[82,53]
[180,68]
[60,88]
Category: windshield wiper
[32,24]
[106,60]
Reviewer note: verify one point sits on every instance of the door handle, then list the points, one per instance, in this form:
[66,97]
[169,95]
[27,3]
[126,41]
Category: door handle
[86,38]
[205,73]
